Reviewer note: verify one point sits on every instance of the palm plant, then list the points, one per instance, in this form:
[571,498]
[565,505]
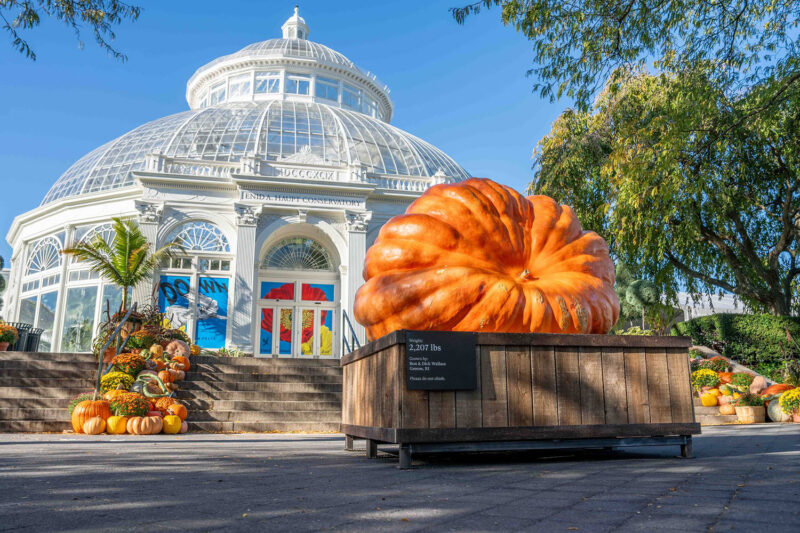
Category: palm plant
[127,260]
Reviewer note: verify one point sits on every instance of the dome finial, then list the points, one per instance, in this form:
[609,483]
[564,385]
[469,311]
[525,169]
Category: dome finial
[295,27]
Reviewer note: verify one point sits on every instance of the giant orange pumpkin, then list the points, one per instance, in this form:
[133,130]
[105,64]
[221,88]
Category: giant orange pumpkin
[478,256]
[89,409]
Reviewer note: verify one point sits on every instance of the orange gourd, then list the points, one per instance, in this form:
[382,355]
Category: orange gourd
[178,410]
[183,360]
[147,425]
[89,409]
[478,256]
[165,376]
[778,388]
[725,377]
[161,404]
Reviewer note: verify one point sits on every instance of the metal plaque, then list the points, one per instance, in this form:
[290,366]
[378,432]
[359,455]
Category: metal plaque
[441,360]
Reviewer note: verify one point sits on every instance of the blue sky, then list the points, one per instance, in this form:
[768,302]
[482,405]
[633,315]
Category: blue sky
[462,88]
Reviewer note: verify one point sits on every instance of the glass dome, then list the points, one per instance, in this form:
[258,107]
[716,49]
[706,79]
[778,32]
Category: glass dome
[272,131]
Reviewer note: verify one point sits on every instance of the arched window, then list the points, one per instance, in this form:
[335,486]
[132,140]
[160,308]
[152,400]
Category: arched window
[45,255]
[200,236]
[104,230]
[297,253]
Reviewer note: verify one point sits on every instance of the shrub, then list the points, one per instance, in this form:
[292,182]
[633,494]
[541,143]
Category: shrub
[748,339]
[636,330]
[742,380]
[749,400]
[8,333]
[130,363]
[717,364]
[790,401]
[115,380]
[704,378]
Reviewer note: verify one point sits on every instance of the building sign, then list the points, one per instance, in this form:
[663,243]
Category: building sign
[304,200]
[306,173]
[441,360]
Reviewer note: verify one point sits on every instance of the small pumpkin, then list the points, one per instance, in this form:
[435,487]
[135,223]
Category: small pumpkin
[479,256]
[725,390]
[94,426]
[157,351]
[161,404]
[778,388]
[725,377]
[172,424]
[147,425]
[160,364]
[178,347]
[89,409]
[110,395]
[715,392]
[166,376]
[178,410]
[116,425]
[184,427]
[182,360]
[708,400]
[194,350]
[177,375]
[727,409]
[154,413]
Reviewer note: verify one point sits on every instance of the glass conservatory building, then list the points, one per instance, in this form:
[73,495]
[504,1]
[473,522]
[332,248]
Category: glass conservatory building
[275,181]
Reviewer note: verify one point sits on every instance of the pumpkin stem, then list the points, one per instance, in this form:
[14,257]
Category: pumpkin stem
[526,275]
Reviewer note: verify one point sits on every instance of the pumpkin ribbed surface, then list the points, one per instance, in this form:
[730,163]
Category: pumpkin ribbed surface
[478,256]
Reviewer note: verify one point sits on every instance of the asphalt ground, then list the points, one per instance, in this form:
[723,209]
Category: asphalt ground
[743,478]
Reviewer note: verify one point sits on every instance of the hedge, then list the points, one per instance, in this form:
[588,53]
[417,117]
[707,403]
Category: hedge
[752,340]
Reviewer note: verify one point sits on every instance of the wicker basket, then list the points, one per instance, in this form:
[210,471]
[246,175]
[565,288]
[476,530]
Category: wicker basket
[750,414]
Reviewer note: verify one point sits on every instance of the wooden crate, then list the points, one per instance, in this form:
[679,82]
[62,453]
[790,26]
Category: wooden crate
[582,390]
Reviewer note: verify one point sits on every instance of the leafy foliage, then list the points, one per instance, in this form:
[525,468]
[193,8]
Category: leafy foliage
[99,15]
[749,400]
[127,261]
[691,187]
[748,339]
[715,364]
[577,45]
[704,378]
[742,380]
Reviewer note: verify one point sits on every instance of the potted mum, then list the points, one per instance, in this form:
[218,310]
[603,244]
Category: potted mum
[790,403]
[8,335]
[750,409]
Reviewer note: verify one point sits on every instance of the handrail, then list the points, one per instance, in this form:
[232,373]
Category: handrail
[353,337]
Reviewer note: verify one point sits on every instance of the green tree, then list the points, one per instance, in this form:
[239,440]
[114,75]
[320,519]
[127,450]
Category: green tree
[577,45]
[127,261]
[697,189]
[98,15]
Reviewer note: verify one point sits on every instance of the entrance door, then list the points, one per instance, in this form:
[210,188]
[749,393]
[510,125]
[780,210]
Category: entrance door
[297,319]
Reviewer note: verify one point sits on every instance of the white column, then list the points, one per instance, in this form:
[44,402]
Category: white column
[357,251]
[61,303]
[243,284]
[149,220]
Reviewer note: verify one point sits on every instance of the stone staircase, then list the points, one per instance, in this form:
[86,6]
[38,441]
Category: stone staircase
[222,394]
[709,416]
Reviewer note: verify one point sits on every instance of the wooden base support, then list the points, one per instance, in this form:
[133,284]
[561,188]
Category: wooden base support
[686,449]
[405,457]
[372,449]
[348,443]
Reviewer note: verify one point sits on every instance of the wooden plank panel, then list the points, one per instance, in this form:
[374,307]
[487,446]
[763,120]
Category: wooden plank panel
[591,378]
[520,393]
[414,403]
[543,378]
[658,386]
[568,386]
[347,395]
[636,386]
[494,396]
[680,390]
[614,391]
[388,386]
[442,409]
[468,403]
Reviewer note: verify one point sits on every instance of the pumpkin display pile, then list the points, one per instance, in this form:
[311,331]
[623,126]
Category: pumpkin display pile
[716,386]
[479,256]
[137,388]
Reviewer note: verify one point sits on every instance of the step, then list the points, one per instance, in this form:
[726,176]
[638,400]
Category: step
[261,427]
[36,402]
[66,383]
[34,426]
[259,361]
[50,373]
[44,392]
[716,420]
[256,386]
[279,369]
[258,396]
[47,356]
[260,378]
[43,364]
[269,405]
[331,415]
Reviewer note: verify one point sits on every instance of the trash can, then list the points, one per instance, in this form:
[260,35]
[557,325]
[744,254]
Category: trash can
[22,341]
[34,336]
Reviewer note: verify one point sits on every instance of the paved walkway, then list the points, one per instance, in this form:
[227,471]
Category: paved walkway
[743,478]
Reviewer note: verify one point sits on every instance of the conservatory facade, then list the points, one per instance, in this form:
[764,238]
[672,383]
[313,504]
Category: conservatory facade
[275,182]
